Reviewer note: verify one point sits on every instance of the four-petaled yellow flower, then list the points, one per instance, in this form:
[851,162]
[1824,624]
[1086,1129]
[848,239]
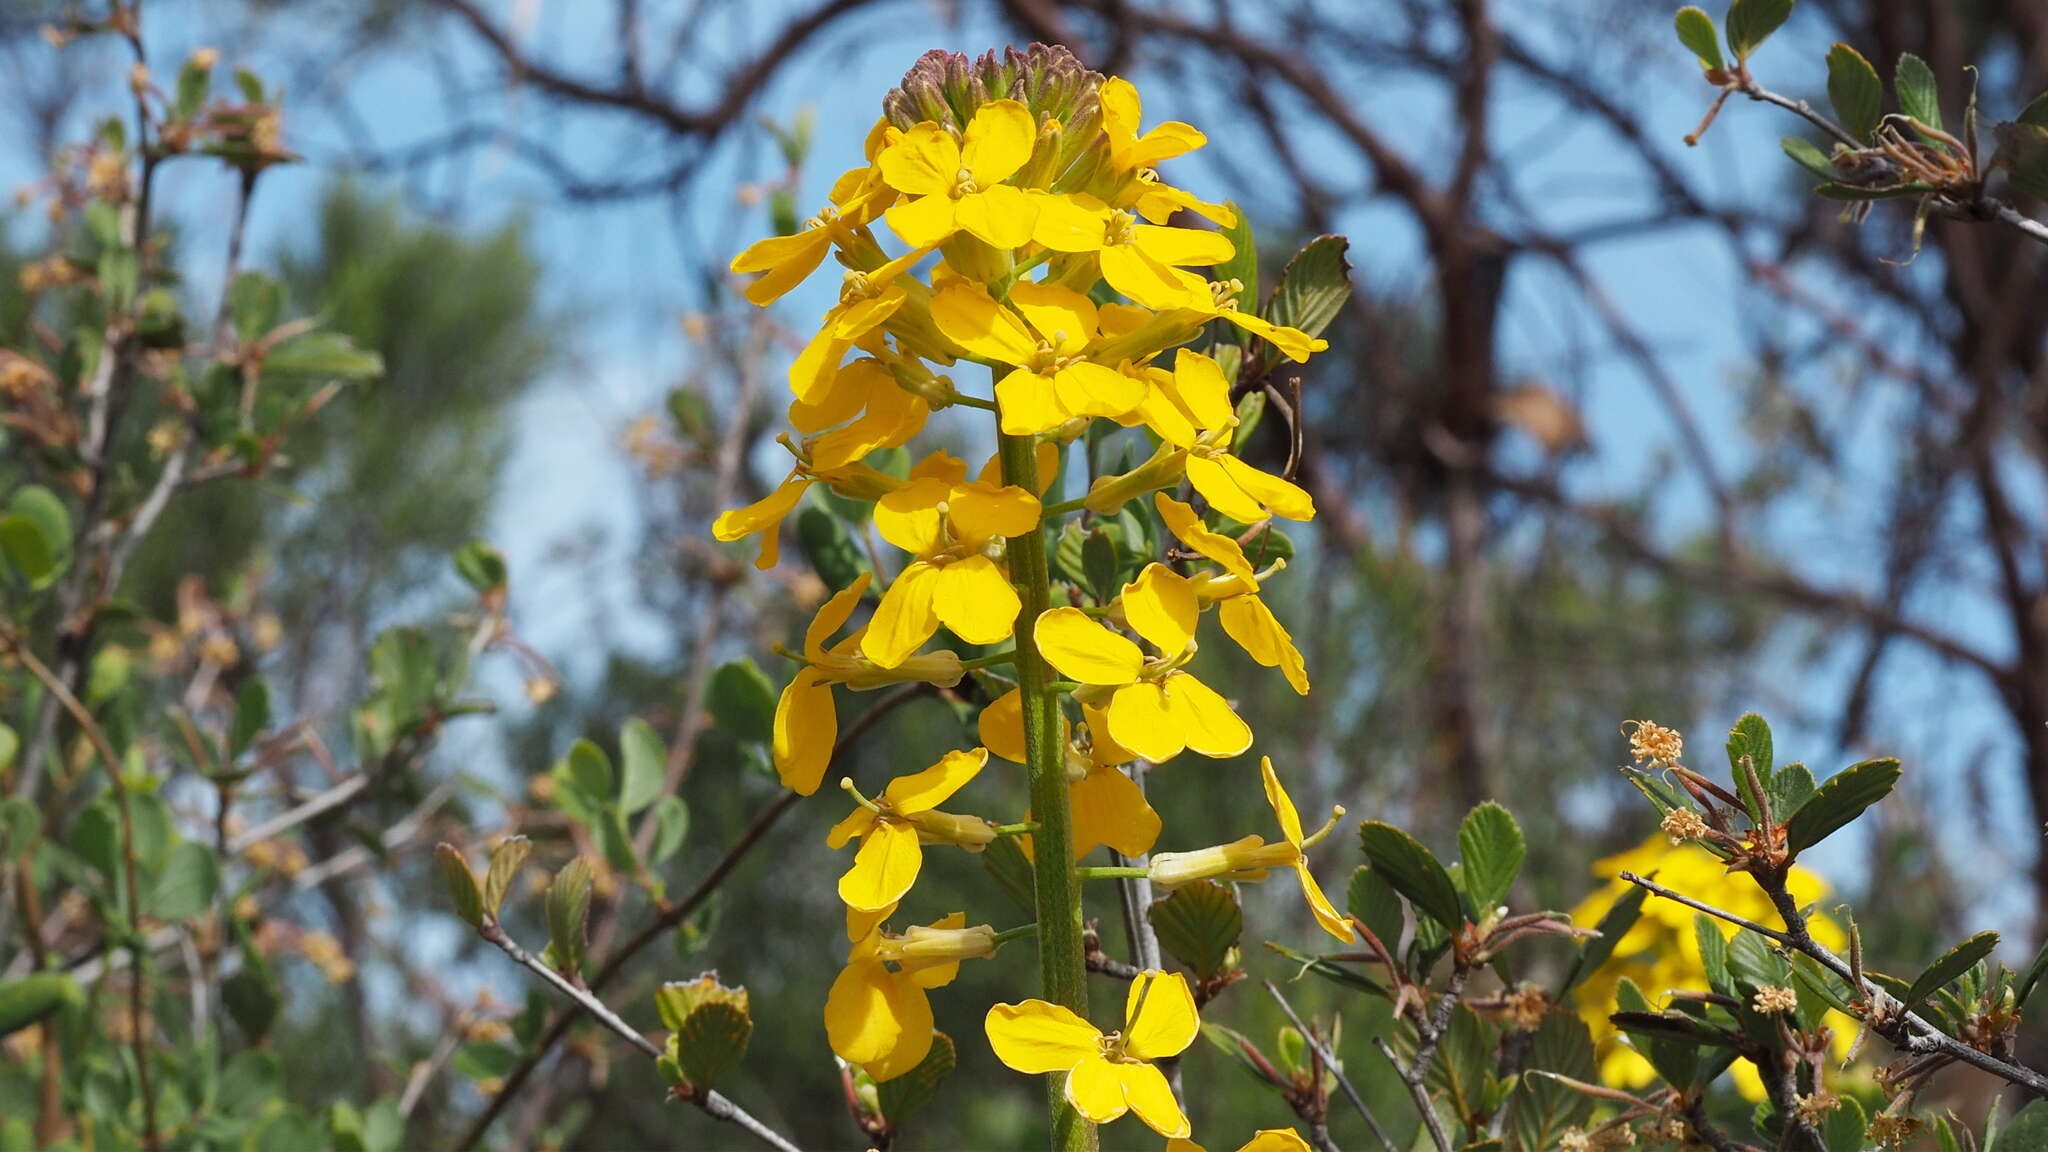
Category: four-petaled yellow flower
[958,186]
[877,1014]
[1107,1075]
[1122,113]
[1045,334]
[806,720]
[857,197]
[893,828]
[1142,261]
[948,524]
[1251,858]
[1107,808]
[765,515]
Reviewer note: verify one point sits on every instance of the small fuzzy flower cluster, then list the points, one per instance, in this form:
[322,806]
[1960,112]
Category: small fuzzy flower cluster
[1653,744]
[1772,1000]
[1033,237]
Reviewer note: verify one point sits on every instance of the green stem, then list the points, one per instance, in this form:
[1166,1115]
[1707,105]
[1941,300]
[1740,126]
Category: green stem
[1106,872]
[1017,933]
[1063,974]
[990,660]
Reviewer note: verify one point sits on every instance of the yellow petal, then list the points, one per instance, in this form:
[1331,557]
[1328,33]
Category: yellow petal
[982,511]
[1326,915]
[1096,1091]
[1249,622]
[1108,808]
[854,826]
[1064,317]
[864,316]
[1182,247]
[1199,382]
[997,142]
[817,363]
[1221,490]
[1069,223]
[806,725]
[924,162]
[842,398]
[787,260]
[1149,1095]
[1283,806]
[1001,726]
[1148,282]
[863,1018]
[1162,411]
[1181,519]
[832,615]
[893,417]
[1000,216]
[905,618]
[927,788]
[884,868]
[974,599]
[1093,390]
[1205,719]
[1276,1140]
[861,923]
[940,465]
[763,516]
[1182,1144]
[1286,499]
[970,317]
[939,975]
[1293,343]
[1160,606]
[1104,749]
[1036,1037]
[1028,404]
[1121,110]
[910,518]
[1159,1015]
[1164,142]
[1084,650]
[924,222]
[1140,717]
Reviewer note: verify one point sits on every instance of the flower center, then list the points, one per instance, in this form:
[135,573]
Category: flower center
[1119,230]
[825,216]
[856,288]
[1224,293]
[1047,358]
[963,184]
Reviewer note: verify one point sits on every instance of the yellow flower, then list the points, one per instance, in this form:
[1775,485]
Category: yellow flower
[1142,261]
[1122,112]
[1661,952]
[957,186]
[877,1014]
[1220,303]
[1107,1075]
[1247,620]
[806,720]
[1155,709]
[766,514]
[1251,857]
[893,828]
[865,410]
[866,301]
[1264,1140]
[948,524]
[1158,201]
[857,197]
[1106,807]
[1045,334]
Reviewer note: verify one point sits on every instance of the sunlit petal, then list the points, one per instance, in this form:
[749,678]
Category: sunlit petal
[1036,1037]
[1084,650]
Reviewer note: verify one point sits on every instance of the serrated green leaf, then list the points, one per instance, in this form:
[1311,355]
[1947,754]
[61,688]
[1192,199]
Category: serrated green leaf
[1696,31]
[1713,954]
[1751,22]
[1313,287]
[2023,153]
[710,1043]
[1805,154]
[1402,861]
[2036,112]
[1949,966]
[1373,903]
[1856,91]
[1243,265]
[1751,737]
[742,699]
[1913,83]
[461,883]
[1838,801]
[1791,787]
[1491,850]
[643,762]
[1198,924]
[1342,975]
[568,908]
[1540,1108]
[506,858]
[899,1097]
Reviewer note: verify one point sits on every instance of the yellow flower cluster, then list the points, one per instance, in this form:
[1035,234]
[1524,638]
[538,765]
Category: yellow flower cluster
[1661,952]
[1033,237]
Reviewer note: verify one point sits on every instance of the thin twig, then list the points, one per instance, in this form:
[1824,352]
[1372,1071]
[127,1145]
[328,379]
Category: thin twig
[1419,1093]
[1330,1061]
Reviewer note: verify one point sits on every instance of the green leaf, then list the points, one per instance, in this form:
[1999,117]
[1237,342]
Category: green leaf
[1198,925]
[484,1060]
[1313,287]
[2023,153]
[1914,84]
[1374,904]
[1344,975]
[1713,954]
[590,773]
[1844,1126]
[2023,990]
[742,701]
[901,1096]
[1696,32]
[1855,90]
[1839,800]
[1951,965]
[1751,22]
[1491,849]
[710,1044]
[10,744]
[1750,737]
[251,998]
[2028,1129]
[1403,862]
[35,535]
[481,566]
[1614,924]
[1541,1108]
[506,858]
[1676,1060]
[35,998]
[1099,565]
[2036,112]
[252,714]
[643,765]
[671,828]
[830,548]
[1805,154]
[187,885]
[324,356]
[255,302]
[461,884]
[1004,861]
[195,81]
[1243,265]
[1791,788]
[568,910]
